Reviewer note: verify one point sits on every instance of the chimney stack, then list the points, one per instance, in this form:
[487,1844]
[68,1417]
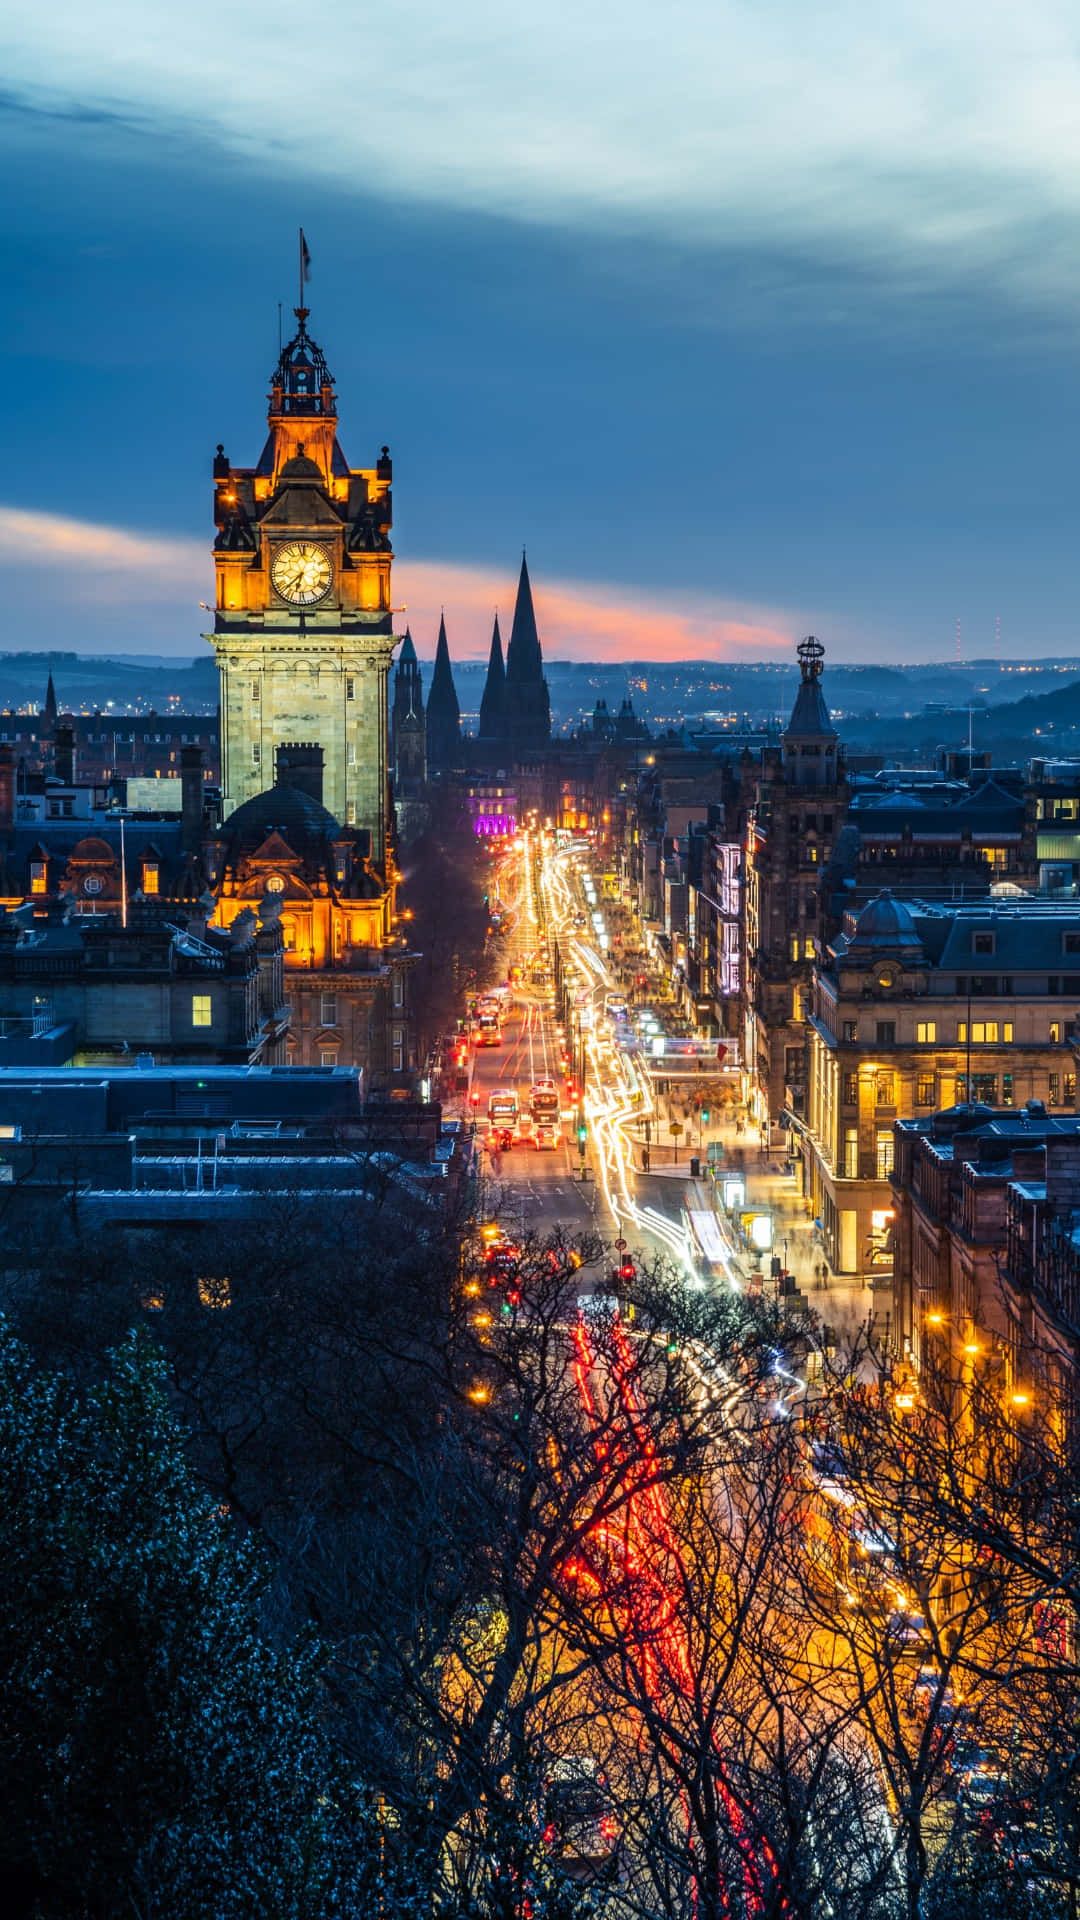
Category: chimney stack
[300,765]
[191,800]
[7,787]
[64,756]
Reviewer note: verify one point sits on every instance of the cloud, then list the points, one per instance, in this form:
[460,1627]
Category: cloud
[82,561]
[79,556]
[581,620]
[913,136]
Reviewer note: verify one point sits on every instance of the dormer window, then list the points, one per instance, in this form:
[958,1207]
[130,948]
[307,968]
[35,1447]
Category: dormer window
[151,877]
[39,876]
[1070,942]
[984,943]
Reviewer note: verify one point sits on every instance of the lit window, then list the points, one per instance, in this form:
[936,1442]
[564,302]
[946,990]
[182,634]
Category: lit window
[884,1092]
[1054,1089]
[1070,1089]
[153,1302]
[926,1033]
[924,1090]
[808,949]
[201,1010]
[984,1033]
[1007,1033]
[884,1153]
[961,1032]
[1055,1033]
[150,879]
[39,877]
[795,947]
[851,1153]
[215,1292]
[851,1089]
[1006,1090]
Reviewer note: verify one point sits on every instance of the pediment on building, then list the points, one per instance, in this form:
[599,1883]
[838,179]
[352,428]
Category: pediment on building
[256,888]
[274,851]
[300,507]
[91,852]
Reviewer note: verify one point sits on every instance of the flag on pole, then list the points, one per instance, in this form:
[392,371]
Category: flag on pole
[305,260]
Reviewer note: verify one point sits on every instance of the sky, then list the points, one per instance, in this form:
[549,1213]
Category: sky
[747,320]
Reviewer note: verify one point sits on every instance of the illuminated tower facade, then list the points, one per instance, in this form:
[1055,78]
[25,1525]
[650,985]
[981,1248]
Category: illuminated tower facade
[303,632]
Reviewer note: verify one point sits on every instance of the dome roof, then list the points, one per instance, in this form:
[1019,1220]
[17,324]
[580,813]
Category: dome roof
[886,922]
[286,810]
[301,468]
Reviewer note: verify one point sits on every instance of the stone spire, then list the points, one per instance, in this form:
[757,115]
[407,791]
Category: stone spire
[408,733]
[492,705]
[49,711]
[528,708]
[443,712]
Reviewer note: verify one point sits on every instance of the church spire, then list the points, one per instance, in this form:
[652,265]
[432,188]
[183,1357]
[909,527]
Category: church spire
[50,708]
[492,705]
[527,706]
[443,712]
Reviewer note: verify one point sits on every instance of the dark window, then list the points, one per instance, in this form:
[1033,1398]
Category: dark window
[1053,984]
[1071,983]
[1071,943]
[886,1033]
[961,983]
[851,1030]
[982,943]
[851,1089]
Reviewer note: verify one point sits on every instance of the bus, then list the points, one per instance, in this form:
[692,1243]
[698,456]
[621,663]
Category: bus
[544,1108]
[488,1032]
[502,1117]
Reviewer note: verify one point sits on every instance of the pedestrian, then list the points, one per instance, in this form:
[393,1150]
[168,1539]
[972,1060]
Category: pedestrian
[645,1160]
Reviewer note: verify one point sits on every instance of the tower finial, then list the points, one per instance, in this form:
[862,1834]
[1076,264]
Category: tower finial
[811,654]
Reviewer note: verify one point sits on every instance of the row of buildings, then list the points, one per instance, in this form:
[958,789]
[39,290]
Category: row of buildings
[890,956]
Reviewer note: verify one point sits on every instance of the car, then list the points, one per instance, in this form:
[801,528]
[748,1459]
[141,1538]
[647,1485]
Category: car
[581,1831]
[545,1135]
[907,1633]
[827,1462]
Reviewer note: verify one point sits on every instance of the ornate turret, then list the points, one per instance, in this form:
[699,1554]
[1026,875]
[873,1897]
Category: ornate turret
[443,713]
[810,740]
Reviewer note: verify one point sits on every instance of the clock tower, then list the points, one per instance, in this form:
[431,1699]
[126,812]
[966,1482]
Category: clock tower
[302,628]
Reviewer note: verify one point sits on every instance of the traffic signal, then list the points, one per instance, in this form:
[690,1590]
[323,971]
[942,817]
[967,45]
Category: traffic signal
[626,1271]
[581,1133]
[672,1347]
[476,1099]
[704,1116]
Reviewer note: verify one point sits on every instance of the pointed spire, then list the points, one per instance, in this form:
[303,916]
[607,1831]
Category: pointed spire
[407,656]
[443,712]
[50,701]
[527,706]
[493,702]
[523,657]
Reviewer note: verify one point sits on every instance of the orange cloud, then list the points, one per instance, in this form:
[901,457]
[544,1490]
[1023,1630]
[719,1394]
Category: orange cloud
[578,620]
[581,620]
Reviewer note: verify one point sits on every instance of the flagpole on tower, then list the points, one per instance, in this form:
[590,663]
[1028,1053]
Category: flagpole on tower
[305,265]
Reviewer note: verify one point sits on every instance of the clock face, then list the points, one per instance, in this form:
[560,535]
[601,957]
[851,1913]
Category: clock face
[301,572]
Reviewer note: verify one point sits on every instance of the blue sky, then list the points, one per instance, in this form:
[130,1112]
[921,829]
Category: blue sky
[746,319]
